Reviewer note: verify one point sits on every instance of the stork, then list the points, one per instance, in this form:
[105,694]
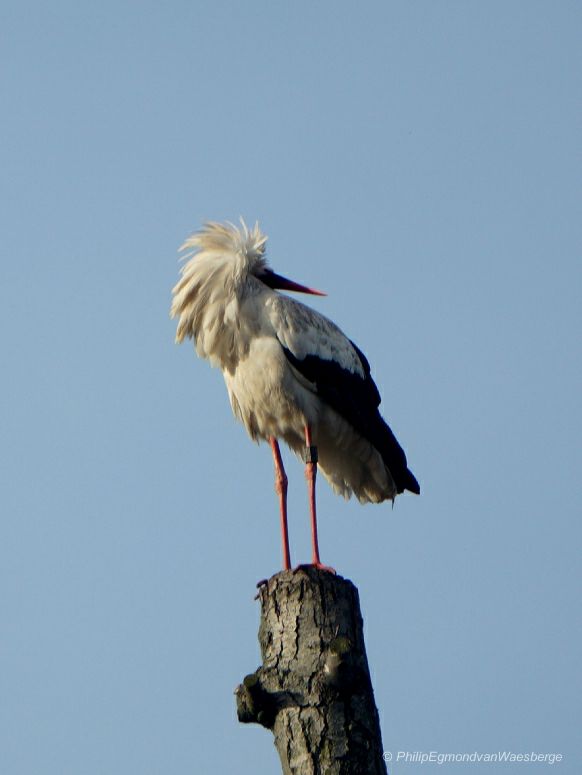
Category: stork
[291,374]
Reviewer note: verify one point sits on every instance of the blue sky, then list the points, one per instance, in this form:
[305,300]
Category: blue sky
[419,161]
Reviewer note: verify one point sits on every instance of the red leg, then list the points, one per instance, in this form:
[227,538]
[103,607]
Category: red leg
[281,489]
[310,475]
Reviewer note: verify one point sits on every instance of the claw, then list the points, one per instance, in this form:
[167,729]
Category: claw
[318,566]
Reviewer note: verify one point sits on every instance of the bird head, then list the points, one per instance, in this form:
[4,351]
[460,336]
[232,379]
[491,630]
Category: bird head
[223,266]
[242,250]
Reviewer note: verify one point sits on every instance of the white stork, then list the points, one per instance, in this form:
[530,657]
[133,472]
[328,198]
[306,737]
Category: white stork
[291,374]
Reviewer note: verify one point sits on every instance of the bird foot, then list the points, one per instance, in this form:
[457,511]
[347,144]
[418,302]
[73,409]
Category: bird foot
[318,566]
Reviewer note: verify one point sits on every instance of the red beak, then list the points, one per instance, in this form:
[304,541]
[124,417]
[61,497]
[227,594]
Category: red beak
[276,281]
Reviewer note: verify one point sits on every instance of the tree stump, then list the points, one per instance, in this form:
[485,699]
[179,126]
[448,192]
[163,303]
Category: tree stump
[313,690]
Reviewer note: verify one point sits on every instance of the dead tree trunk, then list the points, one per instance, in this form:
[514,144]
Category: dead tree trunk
[313,690]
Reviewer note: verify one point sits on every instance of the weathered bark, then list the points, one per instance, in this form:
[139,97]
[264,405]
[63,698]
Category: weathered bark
[314,690]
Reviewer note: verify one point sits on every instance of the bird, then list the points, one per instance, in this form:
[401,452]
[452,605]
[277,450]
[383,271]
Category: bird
[291,374]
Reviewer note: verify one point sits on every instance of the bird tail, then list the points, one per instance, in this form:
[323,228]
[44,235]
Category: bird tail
[382,437]
[409,482]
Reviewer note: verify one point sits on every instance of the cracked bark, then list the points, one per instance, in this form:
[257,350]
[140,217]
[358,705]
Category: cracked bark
[313,690]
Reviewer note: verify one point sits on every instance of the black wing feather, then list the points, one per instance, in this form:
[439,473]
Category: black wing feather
[356,399]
